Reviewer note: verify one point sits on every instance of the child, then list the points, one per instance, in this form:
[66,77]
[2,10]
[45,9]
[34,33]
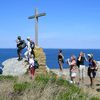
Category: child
[31,66]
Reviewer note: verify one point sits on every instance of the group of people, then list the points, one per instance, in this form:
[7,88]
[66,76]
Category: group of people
[29,54]
[78,64]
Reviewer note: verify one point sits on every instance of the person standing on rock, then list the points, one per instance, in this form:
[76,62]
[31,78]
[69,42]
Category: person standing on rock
[81,66]
[30,47]
[20,46]
[73,69]
[31,66]
[92,69]
[60,60]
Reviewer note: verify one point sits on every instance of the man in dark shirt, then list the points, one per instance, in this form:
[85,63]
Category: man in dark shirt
[20,45]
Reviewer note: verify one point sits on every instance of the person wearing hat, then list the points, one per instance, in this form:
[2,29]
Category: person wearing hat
[28,52]
[92,69]
[30,49]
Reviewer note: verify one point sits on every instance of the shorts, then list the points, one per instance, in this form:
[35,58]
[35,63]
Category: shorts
[73,74]
[91,72]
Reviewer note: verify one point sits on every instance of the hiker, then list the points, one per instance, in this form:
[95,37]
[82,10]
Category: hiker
[30,47]
[60,60]
[31,66]
[81,66]
[72,63]
[92,69]
[20,46]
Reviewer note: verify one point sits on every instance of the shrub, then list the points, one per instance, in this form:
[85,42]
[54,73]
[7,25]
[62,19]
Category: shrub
[42,78]
[20,87]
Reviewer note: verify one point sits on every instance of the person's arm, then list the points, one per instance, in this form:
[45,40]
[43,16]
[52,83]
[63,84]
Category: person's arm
[79,59]
[68,62]
[62,56]
[73,63]
[85,57]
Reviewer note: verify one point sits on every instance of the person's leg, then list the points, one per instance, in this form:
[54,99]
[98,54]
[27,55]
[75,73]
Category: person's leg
[80,73]
[89,74]
[32,52]
[83,73]
[93,77]
[32,72]
[60,66]
[26,55]
[19,52]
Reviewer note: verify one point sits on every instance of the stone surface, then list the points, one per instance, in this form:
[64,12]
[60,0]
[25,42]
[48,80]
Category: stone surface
[14,67]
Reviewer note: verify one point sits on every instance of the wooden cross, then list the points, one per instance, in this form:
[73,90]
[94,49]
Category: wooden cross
[36,24]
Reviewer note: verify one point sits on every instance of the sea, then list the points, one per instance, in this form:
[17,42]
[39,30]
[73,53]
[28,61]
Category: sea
[51,55]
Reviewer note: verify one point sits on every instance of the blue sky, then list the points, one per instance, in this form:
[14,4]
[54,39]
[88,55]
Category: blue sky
[67,24]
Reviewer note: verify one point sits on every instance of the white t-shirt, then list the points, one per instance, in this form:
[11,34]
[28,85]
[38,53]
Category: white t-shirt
[31,62]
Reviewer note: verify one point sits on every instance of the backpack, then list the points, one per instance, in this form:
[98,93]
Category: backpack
[36,64]
[95,65]
[1,71]
[32,44]
[22,44]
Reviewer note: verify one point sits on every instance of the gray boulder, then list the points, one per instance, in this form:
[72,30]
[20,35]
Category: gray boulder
[14,67]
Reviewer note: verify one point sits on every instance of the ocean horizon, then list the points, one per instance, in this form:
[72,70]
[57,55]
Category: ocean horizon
[51,55]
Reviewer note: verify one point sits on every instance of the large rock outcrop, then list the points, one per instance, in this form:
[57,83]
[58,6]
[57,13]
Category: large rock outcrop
[14,67]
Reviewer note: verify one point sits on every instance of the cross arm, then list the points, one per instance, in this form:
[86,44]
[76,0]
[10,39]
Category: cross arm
[38,15]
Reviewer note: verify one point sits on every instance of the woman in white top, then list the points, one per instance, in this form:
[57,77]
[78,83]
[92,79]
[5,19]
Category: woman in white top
[28,52]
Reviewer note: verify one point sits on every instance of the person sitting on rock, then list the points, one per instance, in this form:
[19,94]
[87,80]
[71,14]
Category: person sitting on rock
[20,46]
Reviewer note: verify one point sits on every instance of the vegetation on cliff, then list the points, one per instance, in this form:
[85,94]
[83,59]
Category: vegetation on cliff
[42,87]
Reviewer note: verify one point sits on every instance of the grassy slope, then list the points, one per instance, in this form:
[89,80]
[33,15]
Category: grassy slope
[43,87]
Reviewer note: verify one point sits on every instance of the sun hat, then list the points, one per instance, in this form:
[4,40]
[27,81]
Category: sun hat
[90,55]
[28,38]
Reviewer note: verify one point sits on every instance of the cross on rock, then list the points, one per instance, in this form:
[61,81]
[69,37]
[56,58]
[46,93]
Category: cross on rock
[36,24]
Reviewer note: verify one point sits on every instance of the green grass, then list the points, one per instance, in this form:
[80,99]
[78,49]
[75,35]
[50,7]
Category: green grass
[41,83]
[95,98]
[42,78]
[20,87]
[8,77]
[69,91]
